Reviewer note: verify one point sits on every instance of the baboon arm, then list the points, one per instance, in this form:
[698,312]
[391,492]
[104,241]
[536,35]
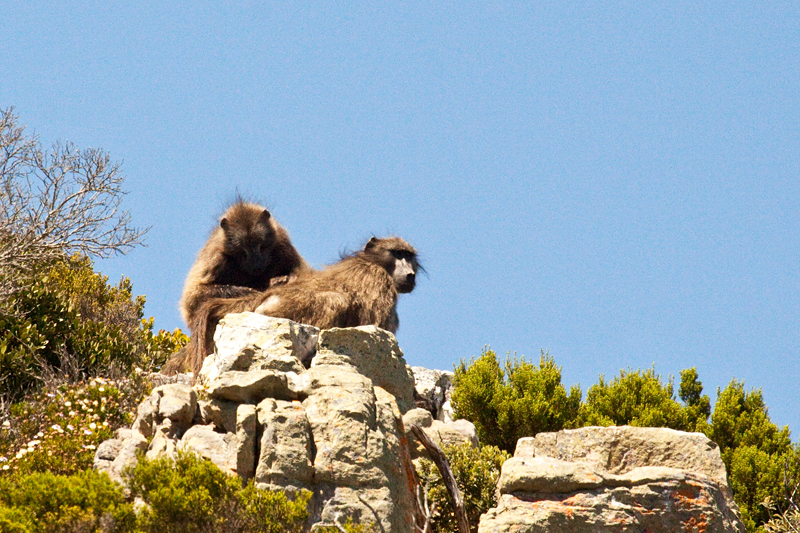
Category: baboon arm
[225,291]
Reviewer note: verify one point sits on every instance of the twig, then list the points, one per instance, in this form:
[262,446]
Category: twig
[440,460]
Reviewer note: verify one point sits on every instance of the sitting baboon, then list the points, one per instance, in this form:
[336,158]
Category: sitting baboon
[247,253]
[359,290]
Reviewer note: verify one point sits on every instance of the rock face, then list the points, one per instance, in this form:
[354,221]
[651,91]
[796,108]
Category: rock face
[292,407]
[435,386]
[614,479]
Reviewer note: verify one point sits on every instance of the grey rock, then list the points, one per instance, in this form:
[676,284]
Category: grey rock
[125,457]
[419,417]
[105,454]
[249,341]
[620,449]
[164,441]
[251,387]
[178,403]
[357,430]
[374,353]
[435,386]
[220,413]
[443,434]
[245,442]
[216,447]
[108,450]
[257,412]
[147,415]
[286,457]
[158,379]
[123,433]
[616,479]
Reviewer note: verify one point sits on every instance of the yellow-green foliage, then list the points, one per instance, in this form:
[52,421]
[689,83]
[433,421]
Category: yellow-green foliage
[70,318]
[59,431]
[755,451]
[517,401]
[476,471]
[191,494]
[187,495]
[634,398]
[45,502]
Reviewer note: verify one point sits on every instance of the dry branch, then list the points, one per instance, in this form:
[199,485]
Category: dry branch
[440,460]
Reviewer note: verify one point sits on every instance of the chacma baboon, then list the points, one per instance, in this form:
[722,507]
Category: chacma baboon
[359,290]
[247,253]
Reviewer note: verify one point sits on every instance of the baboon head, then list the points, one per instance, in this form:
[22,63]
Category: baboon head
[398,258]
[249,237]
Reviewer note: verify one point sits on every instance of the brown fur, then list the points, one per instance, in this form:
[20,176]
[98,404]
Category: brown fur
[247,253]
[359,290]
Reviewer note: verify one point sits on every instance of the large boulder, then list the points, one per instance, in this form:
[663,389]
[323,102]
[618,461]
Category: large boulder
[292,408]
[614,479]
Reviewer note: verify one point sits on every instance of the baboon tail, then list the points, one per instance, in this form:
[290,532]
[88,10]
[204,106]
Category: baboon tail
[208,315]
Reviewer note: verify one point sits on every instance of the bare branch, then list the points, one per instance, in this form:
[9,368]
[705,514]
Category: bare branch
[56,202]
[440,460]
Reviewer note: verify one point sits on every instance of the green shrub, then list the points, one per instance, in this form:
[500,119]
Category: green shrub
[476,471]
[520,401]
[70,320]
[87,501]
[756,453]
[191,494]
[697,406]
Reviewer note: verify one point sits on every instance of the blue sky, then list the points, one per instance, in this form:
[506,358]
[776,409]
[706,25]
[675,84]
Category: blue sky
[615,182]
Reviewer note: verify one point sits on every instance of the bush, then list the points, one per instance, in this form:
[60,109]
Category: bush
[71,321]
[191,494]
[697,406]
[520,401]
[476,471]
[635,399]
[87,501]
[756,453]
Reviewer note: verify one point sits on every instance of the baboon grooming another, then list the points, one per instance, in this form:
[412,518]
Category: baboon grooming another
[246,252]
[359,290]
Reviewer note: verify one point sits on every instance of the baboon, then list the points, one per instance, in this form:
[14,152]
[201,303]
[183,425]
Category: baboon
[247,253]
[359,290]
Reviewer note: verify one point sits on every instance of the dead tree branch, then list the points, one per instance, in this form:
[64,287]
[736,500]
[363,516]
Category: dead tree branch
[440,460]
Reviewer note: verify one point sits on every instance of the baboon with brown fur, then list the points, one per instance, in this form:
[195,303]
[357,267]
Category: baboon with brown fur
[247,253]
[359,290]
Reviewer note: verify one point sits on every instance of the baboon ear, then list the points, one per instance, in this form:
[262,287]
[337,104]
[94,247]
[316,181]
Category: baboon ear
[264,216]
[373,242]
[224,224]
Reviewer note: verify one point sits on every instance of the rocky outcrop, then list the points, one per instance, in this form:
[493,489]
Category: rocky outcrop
[435,387]
[291,408]
[615,479]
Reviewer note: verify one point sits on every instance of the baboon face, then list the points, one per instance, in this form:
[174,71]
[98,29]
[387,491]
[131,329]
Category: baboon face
[405,270]
[398,258]
[249,243]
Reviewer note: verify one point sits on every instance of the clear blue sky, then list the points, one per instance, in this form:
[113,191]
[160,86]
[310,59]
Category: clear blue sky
[615,182]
